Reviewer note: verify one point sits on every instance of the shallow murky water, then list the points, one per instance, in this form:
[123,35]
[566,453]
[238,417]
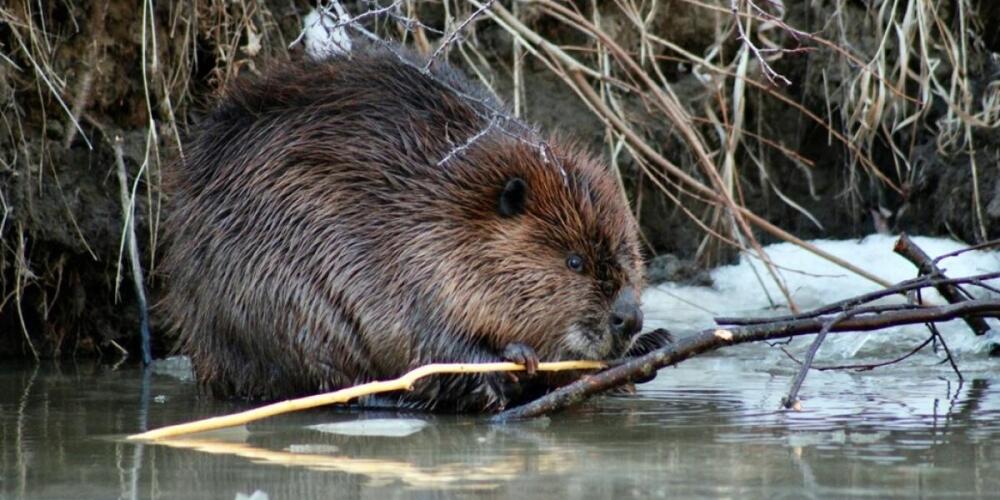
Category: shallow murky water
[709,427]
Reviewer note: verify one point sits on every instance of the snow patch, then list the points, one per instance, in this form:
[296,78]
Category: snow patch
[746,289]
[325,33]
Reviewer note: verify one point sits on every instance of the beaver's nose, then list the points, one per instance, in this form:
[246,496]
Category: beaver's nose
[626,317]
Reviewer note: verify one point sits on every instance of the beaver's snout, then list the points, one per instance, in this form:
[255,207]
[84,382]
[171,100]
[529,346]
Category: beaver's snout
[626,317]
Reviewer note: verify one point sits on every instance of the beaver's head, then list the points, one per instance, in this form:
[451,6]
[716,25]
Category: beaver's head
[549,251]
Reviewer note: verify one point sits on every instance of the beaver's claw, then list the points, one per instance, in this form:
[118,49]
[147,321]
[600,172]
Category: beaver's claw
[522,354]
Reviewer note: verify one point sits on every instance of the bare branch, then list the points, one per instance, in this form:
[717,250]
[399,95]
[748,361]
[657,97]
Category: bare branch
[454,34]
[950,291]
[765,67]
[792,399]
[457,150]
[712,339]
[128,230]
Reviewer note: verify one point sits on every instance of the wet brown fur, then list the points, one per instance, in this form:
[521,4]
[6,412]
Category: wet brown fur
[316,243]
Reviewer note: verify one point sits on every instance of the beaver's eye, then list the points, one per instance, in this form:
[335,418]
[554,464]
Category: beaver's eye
[574,262]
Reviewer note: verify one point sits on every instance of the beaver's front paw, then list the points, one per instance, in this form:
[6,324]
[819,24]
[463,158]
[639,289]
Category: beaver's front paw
[522,354]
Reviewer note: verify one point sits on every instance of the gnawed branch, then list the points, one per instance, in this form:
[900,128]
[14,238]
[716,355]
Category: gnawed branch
[951,292]
[402,383]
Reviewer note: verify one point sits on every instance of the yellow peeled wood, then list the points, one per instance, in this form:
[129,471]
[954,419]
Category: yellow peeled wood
[404,382]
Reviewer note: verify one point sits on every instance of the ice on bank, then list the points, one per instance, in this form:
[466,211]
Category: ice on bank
[324,32]
[746,288]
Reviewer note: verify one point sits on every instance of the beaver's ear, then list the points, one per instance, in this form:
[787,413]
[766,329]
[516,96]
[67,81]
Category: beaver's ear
[513,198]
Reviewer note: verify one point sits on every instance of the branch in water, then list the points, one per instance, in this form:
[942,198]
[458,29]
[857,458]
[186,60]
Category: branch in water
[951,292]
[712,339]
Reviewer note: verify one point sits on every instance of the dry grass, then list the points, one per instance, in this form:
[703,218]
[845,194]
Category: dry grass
[886,85]
[74,62]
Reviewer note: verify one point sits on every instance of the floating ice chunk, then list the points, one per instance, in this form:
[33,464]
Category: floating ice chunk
[386,427]
[256,495]
[178,367]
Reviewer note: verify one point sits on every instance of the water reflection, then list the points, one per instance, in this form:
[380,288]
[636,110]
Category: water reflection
[440,475]
[708,427]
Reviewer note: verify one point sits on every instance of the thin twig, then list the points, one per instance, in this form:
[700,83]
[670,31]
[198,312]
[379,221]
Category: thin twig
[52,88]
[128,227]
[404,382]
[350,21]
[864,367]
[769,72]
[947,352]
[792,399]
[980,246]
[457,150]
[951,292]
[20,281]
[901,288]
[454,33]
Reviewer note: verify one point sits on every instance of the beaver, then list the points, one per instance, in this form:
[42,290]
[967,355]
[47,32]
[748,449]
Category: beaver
[339,221]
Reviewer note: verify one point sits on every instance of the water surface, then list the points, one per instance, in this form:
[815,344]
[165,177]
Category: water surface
[709,427]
